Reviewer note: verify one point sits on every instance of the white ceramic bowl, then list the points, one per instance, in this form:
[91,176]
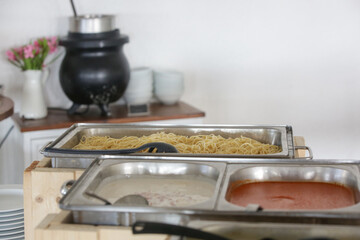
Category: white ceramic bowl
[137,99]
[140,79]
[168,83]
[168,99]
[169,90]
[138,90]
[168,86]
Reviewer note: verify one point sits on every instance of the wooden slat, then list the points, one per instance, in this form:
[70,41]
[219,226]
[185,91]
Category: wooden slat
[299,141]
[42,192]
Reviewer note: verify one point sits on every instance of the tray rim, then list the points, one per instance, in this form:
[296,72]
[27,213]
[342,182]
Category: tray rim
[222,213]
[286,131]
[96,164]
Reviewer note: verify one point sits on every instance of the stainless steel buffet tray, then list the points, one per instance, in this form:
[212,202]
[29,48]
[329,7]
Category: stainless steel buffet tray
[63,155]
[278,231]
[103,170]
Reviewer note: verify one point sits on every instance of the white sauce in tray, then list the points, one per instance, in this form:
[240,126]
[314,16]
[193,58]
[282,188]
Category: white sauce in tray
[160,192]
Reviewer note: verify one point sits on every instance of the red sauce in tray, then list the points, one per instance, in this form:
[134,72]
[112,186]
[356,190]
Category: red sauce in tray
[291,195]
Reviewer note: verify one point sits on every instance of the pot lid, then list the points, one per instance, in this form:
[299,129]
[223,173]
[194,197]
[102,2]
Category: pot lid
[92,23]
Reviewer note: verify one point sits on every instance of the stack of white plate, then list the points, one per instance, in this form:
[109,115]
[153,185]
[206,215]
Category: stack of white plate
[11,212]
[140,88]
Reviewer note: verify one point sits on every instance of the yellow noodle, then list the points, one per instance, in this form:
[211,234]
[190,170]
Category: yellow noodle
[213,144]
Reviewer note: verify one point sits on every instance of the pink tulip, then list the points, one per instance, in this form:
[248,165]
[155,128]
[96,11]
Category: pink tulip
[37,47]
[11,56]
[34,53]
[52,48]
[19,51]
[36,44]
[52,40]
[28,51]
[52,43]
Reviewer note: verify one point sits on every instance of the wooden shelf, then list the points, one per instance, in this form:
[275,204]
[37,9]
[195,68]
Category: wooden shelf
[6,107]
[60,119]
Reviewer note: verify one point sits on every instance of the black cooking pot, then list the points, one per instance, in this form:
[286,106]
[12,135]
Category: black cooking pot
[95,69]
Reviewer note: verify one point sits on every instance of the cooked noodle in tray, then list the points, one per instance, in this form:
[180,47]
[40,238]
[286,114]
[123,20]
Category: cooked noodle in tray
[198,144]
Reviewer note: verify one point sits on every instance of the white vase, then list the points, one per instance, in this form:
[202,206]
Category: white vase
[33,104]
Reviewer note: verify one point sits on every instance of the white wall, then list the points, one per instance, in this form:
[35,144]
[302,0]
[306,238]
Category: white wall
[245,61]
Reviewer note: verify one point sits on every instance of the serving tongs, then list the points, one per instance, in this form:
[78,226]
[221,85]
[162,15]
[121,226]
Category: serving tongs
[160,147]
[141,227]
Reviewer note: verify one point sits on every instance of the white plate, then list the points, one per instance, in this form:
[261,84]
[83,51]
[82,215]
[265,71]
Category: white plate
[11,198]
[12,218]
[11,232]
[14,236]
[11,213]
[5,226]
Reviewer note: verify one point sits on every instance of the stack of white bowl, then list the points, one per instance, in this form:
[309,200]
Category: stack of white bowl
[11,212]
[169,86]
[140,87]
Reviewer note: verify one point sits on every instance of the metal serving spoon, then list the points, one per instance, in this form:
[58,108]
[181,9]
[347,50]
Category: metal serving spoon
[131,200]
[160,147]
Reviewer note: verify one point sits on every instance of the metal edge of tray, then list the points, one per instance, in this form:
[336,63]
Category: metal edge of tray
[258,230]
[349,173]
[100,163]
[275,161]
[49,150]
[119,215]
[127,216]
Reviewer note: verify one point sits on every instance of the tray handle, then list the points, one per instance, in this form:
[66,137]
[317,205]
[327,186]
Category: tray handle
[164,228]
[66,187]
[310,156]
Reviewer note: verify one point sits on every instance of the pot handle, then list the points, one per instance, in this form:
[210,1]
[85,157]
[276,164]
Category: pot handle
[305,148]
[164,228]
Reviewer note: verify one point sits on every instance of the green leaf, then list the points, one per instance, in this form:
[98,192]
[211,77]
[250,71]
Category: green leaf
[27,64]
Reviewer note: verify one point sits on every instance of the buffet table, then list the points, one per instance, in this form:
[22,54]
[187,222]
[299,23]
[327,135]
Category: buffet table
[42,194]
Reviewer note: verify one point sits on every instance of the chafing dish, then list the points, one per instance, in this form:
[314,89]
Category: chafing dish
[341,175]
[63,155]
[216,208]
